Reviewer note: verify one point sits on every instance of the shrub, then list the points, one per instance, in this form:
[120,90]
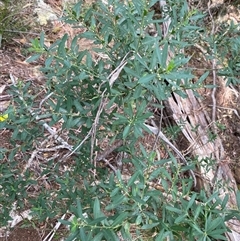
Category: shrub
[89,103]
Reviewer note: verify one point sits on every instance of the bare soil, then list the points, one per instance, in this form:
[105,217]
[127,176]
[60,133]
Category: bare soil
[23,234]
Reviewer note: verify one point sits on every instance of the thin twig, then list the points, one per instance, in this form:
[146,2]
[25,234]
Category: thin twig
[115,73]
[159,127]
[94,128]
[51,148]
[109,150]
[42,101]
[110,165]
[78,146]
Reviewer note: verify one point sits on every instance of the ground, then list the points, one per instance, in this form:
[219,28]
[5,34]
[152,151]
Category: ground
[12,62]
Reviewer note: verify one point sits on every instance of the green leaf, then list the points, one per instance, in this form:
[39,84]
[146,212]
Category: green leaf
[238,199]
[138,92]
[73,236]
[155,174]
[125,231]
[96,209]
[197,211]
[175,210]
[137,130]
[48,61]
[129,110]
[147,78]
[90,235]
[65,222]
[218,235]
[89,60]
[224,201]
[77,9]
[119,220]
[110,235]
[82,234]
[126,131]
[33,58]
[202,78]
[117,200]
[61,46]
[97,221]
[213,224]
[150,226]
[191,201]
[131,72]
[98,237]
[41,42]
[133,178]
[141,60]
[160,91]
[114,191]
[79,209]
[165,184]
[176,75]
[88,35]
[197,228]
[164,55]
[180,219]
[210,86]
[158,55]
[138,219]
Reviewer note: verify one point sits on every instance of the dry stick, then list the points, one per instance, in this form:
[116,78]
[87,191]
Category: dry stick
[167,23]
[111,78]
[94,128]
[159,128]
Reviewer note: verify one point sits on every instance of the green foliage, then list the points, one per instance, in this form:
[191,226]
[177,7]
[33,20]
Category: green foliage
[228,46]
[78,83]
